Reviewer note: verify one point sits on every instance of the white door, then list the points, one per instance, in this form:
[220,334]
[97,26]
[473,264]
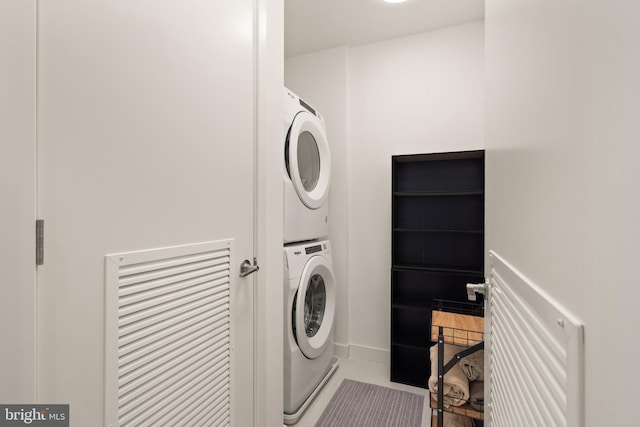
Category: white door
[17,200]
[145,140]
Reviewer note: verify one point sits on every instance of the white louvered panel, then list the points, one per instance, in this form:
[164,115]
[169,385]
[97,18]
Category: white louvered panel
[535,354]
[168,336]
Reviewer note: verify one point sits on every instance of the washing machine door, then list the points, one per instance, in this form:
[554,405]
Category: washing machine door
[314,308]
[308,159]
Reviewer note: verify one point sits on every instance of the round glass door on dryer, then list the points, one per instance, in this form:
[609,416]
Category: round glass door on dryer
[307,176]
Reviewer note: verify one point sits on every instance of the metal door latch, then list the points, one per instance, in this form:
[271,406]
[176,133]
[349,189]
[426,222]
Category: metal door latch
[475,288]
[246,268]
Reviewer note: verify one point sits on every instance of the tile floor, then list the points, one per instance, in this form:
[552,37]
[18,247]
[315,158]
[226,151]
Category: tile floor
[359,370]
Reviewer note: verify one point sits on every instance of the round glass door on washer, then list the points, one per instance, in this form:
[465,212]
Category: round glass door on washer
[314,307]
[307,172]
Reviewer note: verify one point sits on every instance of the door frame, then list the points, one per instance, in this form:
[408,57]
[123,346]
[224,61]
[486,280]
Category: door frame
[269,231]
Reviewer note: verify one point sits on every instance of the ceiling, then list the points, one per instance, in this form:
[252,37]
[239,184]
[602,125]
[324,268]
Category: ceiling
[312,25]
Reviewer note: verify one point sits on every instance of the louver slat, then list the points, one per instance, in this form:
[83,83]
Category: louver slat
[168,336]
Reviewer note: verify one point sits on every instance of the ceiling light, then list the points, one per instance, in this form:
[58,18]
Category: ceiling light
[394,1]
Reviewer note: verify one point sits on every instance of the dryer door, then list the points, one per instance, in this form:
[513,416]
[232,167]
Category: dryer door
[308,159]
[314,307]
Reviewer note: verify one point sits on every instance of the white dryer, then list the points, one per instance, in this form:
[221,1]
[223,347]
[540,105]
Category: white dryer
[307,174]
[310,294]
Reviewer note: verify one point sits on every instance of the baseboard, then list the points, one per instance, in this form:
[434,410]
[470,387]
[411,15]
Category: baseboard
[342,350]
[370,354]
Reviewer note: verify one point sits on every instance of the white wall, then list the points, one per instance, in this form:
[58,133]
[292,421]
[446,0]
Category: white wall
[321,79]
[563,200]
[416,94]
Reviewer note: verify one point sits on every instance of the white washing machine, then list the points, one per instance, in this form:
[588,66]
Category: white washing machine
[307,174]
[310,298]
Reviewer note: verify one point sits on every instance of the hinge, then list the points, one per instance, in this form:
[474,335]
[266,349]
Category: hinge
[39,241]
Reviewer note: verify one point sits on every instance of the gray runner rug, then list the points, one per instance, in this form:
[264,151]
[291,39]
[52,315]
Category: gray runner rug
[357,404]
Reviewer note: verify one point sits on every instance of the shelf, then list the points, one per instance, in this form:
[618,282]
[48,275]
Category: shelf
[410,328]
[410,365]
[440,269]
[418,230]
[410,305]
[437,270]
[437,247]
[448,155]
[410,346]
[413,289]
[439,173]
[438,213]
[453,251]
[409,377]
[438,193]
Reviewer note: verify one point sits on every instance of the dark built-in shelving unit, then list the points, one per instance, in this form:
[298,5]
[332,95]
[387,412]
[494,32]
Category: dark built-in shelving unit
[437,248]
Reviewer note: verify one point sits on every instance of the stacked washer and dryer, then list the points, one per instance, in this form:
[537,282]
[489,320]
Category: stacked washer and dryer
[309,284]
